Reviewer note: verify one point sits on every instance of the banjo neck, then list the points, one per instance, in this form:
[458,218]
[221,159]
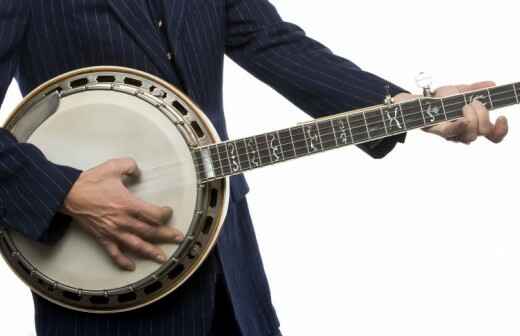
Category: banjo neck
[336,131]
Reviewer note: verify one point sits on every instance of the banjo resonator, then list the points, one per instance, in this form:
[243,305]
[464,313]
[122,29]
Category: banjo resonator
[86,117]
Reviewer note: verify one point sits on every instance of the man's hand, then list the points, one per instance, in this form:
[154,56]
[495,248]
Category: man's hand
[476,121]
[119,221]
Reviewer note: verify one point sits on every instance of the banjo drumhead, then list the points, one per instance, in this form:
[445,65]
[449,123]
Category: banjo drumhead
[99,126]
[91,115]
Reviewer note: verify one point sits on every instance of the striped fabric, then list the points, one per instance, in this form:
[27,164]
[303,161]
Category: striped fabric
[40,39]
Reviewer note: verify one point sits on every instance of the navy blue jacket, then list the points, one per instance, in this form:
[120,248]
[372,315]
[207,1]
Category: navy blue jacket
[40,39]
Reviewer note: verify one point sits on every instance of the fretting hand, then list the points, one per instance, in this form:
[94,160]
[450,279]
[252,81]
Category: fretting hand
[476,121]
[119,221]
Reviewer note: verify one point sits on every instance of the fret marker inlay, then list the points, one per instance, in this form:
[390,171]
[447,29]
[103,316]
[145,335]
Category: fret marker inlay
[394,119]
[253,153]
[432,111]
[231,149]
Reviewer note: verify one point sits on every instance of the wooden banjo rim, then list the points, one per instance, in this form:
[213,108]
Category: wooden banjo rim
[214,137]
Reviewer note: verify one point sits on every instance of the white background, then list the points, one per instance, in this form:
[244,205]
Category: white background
[424,242]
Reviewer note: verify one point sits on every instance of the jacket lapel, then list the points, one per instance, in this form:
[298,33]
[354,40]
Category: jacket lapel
[133,15]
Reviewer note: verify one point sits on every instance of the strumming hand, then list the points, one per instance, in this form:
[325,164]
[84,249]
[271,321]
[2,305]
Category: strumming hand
[115,218]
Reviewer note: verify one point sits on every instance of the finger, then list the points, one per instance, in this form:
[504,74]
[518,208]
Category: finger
[117,256]
[142,248]
[481,85]
[484,123]
[150,213]
[450,129]
[500,130]
[470,133]
[475,86]
[153,234]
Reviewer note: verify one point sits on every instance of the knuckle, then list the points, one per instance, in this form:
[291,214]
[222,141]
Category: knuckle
[485,130]
[128,162]
[114,254]
[121,207]
[148,231]
[132,241]
[153,251]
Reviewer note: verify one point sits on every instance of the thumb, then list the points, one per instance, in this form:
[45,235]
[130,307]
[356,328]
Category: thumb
[480,85]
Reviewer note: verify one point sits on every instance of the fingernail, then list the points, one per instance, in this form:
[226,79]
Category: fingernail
[130,267]
[161,258]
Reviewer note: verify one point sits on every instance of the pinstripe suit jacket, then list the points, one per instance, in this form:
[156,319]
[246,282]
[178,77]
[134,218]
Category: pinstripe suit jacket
[40,39]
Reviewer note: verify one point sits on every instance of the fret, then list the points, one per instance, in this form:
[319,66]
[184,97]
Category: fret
[275,150]
[280,144]
[358,127]
[268,148]
[334,131]
[224,159]
[366,124]
[490,99]
[319,135]
[402,116]
[287,144]
[453,106]
[383,118]
[233,156]
[243,157]
[258,152]
[482,96]
[422,110]
[292,142]
[217,165]
[263,149]
[502,96]
[393,117]
[327,135]
[375,123]
[443,108]
[342,131]
[252,152]
[311,138]
[350,129]
[516,92]
[299,141]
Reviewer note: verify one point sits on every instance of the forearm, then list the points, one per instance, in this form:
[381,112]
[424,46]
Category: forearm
[32,189]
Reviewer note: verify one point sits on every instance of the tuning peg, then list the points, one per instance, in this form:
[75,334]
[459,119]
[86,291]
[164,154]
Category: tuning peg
[424,81]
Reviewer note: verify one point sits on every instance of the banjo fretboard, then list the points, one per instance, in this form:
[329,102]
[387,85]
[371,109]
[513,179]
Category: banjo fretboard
[336,131]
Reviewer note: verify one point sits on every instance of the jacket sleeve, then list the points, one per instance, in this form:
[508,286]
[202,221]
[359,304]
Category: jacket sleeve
[32,189]
[300,68]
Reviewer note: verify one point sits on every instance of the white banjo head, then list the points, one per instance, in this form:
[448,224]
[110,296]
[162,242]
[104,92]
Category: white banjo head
[89,116]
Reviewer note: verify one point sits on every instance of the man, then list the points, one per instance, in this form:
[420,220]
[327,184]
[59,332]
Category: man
[184,42]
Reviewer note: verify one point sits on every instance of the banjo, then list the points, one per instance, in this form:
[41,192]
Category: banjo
[91,115]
